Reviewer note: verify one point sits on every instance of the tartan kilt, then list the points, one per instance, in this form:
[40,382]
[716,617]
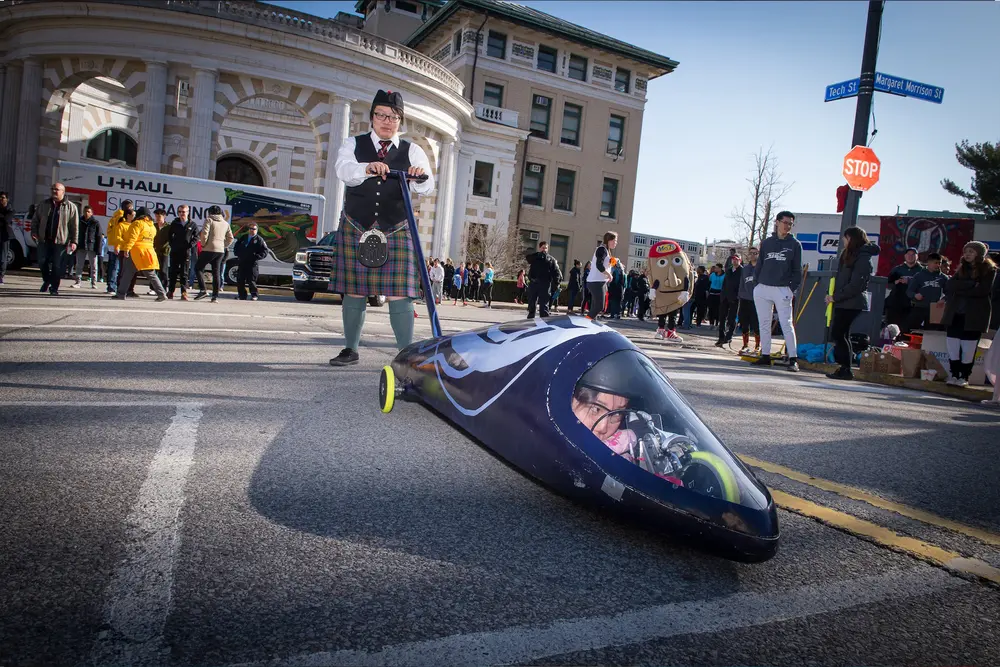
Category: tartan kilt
[399,276]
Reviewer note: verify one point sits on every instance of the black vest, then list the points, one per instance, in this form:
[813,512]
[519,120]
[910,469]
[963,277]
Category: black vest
[376,200]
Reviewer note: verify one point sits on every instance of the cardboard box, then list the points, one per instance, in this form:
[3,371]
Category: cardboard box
[932,363]
[934,343]
[978,375]
[937,312]
[877,361]
[912,362]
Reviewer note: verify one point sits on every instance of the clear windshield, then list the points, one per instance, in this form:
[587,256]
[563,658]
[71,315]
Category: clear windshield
[627,403]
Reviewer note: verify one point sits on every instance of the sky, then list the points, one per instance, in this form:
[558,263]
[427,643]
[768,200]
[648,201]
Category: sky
[752,76]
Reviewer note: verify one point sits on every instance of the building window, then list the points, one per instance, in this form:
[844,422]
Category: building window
[482,180]
[578,68]
[639,240]
[541,111]
[496,45]
[559,248]
[565,180]
[637,264]
[529,240]
[622,79]
[616,135]
[113,144]
[534,179]
[493,95]
[640,252]
[456,43]
[236,169]
[609,198]
[572,114]
[547,57]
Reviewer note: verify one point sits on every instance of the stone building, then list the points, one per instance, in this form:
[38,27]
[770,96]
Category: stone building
[248,92]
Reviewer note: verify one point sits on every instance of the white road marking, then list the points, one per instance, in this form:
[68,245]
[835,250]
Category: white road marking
[185,313]
[524,644]
[93,404]
[125,327]
[138,598]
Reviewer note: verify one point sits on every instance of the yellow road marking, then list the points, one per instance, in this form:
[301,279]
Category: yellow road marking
[870,498]
[949,560]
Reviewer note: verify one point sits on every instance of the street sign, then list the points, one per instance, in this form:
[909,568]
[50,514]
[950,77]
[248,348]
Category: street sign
[841,90]
[907,88]
[886,83]
[861,168]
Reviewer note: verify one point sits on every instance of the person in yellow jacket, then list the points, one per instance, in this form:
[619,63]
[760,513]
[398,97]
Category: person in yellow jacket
[137,241]
[119,223]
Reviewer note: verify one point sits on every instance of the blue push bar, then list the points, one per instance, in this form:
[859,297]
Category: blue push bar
[403,177]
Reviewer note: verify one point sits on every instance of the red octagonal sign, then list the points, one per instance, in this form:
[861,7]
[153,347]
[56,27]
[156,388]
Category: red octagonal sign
[861,168]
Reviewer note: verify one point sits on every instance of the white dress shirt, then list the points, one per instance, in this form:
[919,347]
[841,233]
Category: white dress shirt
[352,173]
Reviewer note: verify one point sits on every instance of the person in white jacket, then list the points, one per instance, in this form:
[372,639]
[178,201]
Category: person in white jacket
[437,280]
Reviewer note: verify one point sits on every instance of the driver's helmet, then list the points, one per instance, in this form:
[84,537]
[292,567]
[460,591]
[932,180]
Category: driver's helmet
[627,403]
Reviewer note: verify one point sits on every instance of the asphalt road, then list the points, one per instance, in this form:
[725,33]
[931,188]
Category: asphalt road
[193,484]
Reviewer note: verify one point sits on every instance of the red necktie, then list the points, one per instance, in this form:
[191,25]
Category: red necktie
[385,148]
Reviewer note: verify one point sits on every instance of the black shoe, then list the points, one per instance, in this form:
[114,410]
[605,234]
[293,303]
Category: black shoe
[161,297]
[841,374]
[719,343]
[200,295]
[346,357]
[215,299]
[765,360]
[45,287]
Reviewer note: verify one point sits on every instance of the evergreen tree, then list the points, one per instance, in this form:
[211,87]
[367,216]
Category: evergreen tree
[984,160]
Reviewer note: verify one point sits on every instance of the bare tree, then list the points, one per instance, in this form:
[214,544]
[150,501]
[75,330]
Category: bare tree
[499,245]
[752,220]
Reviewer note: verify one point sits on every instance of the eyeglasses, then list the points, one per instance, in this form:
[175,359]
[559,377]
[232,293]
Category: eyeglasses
[385,117]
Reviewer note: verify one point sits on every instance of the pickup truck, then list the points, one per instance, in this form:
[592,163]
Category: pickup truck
[312,268]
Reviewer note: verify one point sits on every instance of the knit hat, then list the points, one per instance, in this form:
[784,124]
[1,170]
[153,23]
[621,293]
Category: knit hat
[389,99]
[979,247]
[143,212]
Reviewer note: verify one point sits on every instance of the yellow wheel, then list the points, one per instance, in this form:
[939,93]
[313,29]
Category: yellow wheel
[709,474]
[386,389]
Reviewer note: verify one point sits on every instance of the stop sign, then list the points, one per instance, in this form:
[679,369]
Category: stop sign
[861,168]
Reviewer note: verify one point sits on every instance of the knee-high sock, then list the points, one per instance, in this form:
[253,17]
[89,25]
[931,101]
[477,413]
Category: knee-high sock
[401,320]
[954,348]
[353,312]
[969,351]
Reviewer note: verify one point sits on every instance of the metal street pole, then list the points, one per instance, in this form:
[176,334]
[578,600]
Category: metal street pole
[865,91]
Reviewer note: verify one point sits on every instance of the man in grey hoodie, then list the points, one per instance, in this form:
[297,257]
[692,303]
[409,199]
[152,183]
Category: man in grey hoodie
[776,279]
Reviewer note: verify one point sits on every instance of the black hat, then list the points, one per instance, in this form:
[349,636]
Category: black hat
[143,212]
[389,99]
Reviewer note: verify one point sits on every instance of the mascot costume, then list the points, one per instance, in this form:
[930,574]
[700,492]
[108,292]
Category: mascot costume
[670,276]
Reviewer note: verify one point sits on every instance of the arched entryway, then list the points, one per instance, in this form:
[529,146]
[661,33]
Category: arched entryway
[237,169]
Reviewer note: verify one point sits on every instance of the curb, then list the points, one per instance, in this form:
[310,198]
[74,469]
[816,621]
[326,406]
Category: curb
[934,387]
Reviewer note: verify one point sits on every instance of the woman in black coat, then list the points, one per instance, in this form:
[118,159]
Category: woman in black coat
[850,295]
[967,309]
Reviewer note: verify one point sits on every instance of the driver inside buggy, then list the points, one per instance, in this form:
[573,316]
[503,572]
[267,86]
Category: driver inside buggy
[624,402]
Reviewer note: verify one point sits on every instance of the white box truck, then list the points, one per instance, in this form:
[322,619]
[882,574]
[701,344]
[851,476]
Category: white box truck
[286,220]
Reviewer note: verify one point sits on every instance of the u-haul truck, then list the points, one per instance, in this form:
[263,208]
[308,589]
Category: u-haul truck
[286,220]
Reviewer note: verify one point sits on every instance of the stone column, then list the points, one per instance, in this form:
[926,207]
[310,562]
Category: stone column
[333,190]
[446,187]
[8,124]
[200,138]
[284,167]
[28,128]
[77,145]
[463,177]
[151,123]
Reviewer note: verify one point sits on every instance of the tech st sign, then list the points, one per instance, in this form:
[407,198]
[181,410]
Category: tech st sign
[861,168]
